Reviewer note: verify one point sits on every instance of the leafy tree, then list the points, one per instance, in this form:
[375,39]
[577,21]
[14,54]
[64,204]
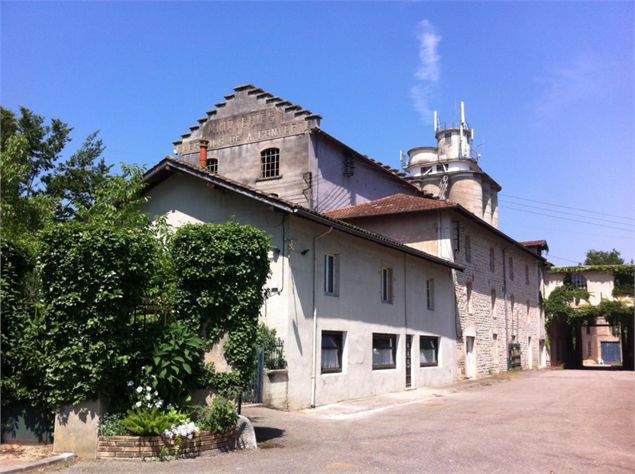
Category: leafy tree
[603,257]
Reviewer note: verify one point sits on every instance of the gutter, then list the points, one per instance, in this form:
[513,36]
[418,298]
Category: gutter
[314,348]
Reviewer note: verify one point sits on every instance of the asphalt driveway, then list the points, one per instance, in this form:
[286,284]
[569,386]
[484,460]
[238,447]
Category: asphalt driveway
[548,421]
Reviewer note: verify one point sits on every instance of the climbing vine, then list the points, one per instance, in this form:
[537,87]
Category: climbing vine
[220,273]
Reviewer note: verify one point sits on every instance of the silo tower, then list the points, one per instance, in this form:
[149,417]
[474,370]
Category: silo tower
[451,170]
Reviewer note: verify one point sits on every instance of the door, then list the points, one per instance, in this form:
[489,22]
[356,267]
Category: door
[408,361]
[611,352]
[470,358]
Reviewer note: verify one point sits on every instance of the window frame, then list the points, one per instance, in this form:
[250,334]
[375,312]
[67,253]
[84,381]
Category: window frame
[456,236]
[492,260]
[387,293]
[331,274]
[469,289]
[436,351]
[510,266]
[430,294]
[339,336]
[211,165]
[468,248]
[270,163]
[392,346]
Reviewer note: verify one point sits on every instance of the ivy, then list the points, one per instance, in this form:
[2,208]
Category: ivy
[94,277]
[220,273]
[624,275]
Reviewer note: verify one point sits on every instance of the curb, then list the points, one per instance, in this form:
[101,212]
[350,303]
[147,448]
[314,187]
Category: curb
[65,457]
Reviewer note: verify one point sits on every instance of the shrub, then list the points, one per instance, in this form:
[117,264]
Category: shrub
[147,422]
[218,418]
[111,425]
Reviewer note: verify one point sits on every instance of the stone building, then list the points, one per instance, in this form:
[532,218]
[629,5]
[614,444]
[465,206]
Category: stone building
[470,305]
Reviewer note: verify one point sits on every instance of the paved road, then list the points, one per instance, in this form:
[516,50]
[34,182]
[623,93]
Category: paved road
[550,421]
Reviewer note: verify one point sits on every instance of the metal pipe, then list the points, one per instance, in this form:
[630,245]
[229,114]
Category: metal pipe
[314,349]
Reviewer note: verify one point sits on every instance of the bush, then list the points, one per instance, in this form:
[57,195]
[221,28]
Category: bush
[147,422]
[111,425]
[93,279]
[218,418]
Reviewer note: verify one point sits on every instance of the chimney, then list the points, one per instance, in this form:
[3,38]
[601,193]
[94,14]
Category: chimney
[202,157]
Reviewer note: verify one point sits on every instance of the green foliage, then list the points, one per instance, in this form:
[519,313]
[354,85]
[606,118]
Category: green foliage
[624,279]
[559,304]
[220,274]
[218,418]
[227,384]
[111,425]
[147,422]
[23,363]
[176,360]
[74,181]
[603,257]
[270,345]
[95,277]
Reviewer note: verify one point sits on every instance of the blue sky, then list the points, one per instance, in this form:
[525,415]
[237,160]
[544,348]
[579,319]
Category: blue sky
[548,88]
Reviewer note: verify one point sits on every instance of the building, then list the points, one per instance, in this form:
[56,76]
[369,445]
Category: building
[367,258]
[360,314]
[601,343]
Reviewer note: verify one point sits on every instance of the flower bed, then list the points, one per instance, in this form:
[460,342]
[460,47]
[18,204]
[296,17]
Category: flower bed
[158,446]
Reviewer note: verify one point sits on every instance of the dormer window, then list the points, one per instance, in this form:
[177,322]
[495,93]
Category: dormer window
[211,164]
[442,168]
[270,163]
[426,170]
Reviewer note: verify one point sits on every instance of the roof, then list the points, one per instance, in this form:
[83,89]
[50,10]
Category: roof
[394,204]
[541,244]
[402,203]
[169,166]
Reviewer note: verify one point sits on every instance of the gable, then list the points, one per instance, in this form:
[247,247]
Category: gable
[249,115]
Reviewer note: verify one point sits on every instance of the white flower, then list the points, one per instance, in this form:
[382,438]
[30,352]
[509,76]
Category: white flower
[148,388]
[156,393]
[139,389]
[138,404]
[158,403]
[148,397]
[130,383]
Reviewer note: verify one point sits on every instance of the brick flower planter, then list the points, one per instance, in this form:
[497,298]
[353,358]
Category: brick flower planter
[150,446]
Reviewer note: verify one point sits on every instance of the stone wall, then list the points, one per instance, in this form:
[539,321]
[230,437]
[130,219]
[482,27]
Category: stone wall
[152,446]
[515,316]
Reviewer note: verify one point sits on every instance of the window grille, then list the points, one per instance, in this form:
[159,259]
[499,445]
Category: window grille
[212,165]
[270,163]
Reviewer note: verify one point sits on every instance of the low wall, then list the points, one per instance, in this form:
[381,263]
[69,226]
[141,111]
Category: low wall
[151,446]
[276,388]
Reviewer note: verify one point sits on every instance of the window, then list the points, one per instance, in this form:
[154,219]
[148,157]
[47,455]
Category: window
[384,351]
[492,260]
[526,274]
[588,348]
[428,351]
[512,302]
[493,302]
[456,241]
[212,165]
[332,344]
[386,285]
[448,137]
[588,329]
[426,169]
[468,248]
[270,163]
[442,168]
[511,268]
[430,293]
[578,280]
[528,307]
[468,291]
[331,274]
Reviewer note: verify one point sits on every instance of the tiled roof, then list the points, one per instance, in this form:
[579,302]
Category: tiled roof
[394,204]
[534,243]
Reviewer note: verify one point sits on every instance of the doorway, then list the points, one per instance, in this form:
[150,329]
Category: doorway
[408,361]
[470,357]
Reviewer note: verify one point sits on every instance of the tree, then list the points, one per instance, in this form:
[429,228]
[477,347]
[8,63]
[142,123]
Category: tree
[37,185]
[602,257]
